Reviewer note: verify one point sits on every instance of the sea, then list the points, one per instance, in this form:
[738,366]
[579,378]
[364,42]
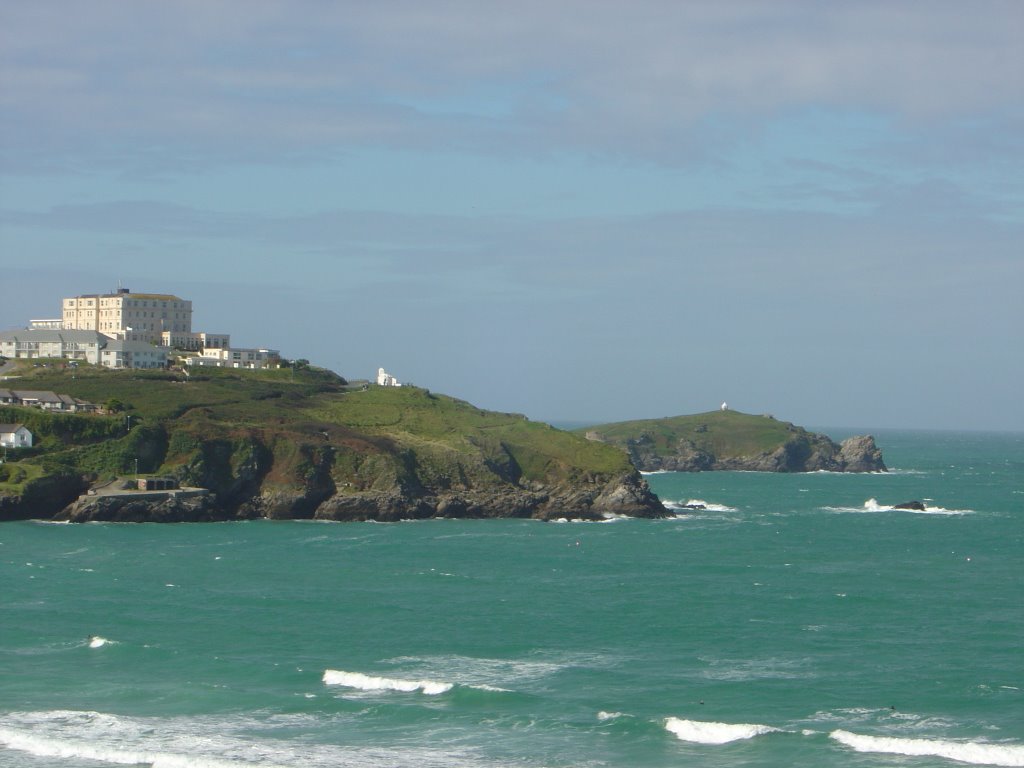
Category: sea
[784,620]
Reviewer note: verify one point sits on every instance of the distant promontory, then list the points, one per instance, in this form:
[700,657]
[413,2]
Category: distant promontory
[731,440]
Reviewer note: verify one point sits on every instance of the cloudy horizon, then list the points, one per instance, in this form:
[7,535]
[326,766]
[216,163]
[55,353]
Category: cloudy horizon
[582,211]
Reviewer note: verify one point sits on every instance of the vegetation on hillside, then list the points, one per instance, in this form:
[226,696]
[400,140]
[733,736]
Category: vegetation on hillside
[725,434]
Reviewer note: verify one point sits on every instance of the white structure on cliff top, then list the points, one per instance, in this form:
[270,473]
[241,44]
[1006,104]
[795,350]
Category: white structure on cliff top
[385,379]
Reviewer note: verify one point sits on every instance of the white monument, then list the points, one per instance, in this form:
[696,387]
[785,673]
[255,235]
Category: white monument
[725,406]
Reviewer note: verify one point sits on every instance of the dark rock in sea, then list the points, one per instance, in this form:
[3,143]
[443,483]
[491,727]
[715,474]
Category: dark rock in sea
[695,507]
[916,506]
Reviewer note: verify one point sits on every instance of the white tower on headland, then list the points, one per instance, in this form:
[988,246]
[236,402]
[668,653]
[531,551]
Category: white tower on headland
[725,406]
[385,379]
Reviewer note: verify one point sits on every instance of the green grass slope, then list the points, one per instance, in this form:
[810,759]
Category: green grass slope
[724,434]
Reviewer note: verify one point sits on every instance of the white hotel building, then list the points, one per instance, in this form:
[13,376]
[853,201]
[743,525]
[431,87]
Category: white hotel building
[129,316]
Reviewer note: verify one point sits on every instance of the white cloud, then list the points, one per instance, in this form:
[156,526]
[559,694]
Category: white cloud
[621,78]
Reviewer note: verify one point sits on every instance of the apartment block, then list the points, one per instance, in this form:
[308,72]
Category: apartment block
[72,345]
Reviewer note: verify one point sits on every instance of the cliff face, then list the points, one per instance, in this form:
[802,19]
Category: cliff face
[250,490]
[379,454]
[736,441]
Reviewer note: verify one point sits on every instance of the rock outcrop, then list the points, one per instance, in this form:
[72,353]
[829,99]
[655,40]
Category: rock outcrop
[627,495]
[860,454]
[141,507]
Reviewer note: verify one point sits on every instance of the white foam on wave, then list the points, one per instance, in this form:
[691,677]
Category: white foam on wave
[42,746]
[872,505]
[697,505]
[700,732]
[104,738]
[973,752]
[95,641]
[361,682]
[606,518]
[212,741]
[485,674]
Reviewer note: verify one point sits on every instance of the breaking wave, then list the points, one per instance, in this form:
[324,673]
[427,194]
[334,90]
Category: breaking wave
[973,752]
[361,682]
[72,737]
[700,732]
[697,505]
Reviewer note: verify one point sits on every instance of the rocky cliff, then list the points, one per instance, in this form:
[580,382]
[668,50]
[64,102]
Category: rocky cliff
[331,453]
[730,440]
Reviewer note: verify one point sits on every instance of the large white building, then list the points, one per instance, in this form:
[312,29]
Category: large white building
[129,316]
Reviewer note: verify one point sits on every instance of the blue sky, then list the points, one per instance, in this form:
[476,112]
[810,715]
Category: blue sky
[580,211]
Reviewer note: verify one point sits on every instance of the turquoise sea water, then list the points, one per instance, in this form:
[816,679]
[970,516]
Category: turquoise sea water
[798,620]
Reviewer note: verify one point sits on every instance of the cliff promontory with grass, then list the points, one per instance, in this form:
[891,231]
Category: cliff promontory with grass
[730,440]
[298,444]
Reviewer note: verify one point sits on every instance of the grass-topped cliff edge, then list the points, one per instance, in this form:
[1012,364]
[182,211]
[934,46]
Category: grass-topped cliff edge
[727,439]
[301,444]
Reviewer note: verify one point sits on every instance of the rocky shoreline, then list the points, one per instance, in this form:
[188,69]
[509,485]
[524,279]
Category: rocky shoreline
[624,496]
[806,452]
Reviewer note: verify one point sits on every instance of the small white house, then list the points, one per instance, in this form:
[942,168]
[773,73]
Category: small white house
[15,436]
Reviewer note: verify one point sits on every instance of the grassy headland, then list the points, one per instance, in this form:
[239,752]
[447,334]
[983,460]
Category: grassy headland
[300,443]
[728,439]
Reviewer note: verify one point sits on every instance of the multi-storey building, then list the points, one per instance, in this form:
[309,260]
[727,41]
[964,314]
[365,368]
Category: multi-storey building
[129,316]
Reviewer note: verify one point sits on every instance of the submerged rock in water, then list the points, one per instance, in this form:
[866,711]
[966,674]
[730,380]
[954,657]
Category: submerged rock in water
[916,506]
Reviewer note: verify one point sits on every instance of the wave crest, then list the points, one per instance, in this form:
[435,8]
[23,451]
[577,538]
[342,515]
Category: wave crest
[975,753]
[701,732]
[362,682]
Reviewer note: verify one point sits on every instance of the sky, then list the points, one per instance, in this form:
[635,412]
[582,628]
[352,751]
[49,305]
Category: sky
[583,211]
